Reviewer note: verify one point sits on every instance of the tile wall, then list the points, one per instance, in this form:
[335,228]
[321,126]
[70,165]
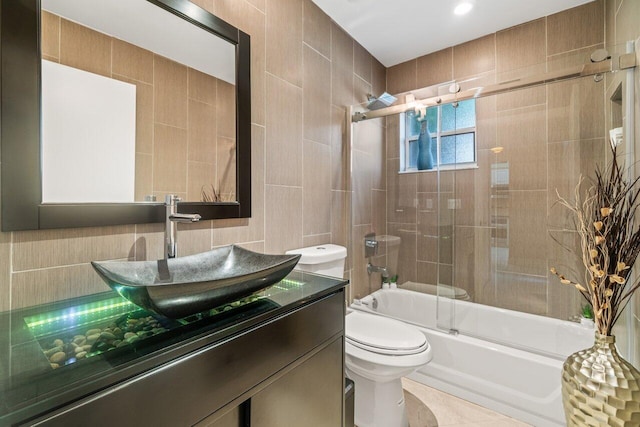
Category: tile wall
[185,138]
[501,241]
[305,71]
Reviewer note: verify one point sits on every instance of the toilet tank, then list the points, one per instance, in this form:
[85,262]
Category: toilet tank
[326,259]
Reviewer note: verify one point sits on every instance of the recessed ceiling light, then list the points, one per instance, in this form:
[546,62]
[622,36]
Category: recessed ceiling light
[463,8]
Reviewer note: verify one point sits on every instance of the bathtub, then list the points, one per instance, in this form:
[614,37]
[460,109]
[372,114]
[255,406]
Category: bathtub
[514,369]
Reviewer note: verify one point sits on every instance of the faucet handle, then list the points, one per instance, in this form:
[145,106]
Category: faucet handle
[171,199]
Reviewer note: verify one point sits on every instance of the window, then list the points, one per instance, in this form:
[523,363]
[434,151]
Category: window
[448,137]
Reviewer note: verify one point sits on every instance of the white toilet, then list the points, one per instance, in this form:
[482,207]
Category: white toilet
[378,350]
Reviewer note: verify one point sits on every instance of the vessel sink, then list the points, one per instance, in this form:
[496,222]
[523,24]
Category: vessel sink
[179,287]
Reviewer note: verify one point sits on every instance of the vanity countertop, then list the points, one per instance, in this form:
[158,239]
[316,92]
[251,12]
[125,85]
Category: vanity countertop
[54,354]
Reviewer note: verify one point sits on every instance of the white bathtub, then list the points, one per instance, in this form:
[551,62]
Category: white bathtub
[519,377]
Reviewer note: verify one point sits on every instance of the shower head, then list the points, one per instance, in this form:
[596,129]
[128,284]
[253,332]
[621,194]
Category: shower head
[382,101]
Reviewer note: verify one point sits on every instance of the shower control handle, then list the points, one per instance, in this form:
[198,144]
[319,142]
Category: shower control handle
[370,245]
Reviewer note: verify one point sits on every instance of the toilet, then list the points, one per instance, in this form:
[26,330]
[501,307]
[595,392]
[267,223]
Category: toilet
[378,351]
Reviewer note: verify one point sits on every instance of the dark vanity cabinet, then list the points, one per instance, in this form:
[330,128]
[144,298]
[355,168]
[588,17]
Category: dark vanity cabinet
[274,359]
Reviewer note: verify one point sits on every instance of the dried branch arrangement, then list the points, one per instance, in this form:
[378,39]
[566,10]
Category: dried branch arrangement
[610,241]
[210,198]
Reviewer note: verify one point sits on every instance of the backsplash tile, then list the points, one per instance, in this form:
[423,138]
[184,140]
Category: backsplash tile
[52,248]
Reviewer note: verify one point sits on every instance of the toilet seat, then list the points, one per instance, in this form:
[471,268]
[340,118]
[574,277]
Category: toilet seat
[383,336]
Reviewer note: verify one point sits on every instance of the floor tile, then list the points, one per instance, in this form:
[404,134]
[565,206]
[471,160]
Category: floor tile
[443,409]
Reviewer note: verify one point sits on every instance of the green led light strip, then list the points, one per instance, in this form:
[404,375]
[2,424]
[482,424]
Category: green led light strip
[111,304]
[287,284]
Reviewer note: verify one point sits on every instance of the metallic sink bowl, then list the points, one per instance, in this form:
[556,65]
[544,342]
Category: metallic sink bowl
[179,287]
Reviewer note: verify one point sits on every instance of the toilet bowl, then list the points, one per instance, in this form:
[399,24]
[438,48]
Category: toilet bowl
[378,351]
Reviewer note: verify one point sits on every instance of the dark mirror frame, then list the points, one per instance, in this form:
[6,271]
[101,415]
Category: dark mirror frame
[22,207]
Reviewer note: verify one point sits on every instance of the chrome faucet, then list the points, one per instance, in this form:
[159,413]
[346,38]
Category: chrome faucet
[171,228]
[375,269]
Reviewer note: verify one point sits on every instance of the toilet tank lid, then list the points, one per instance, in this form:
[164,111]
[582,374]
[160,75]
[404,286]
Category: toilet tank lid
[319,253]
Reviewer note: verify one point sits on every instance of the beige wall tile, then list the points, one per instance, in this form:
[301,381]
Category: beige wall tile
[340,150]
[284,39]
[85,49]
[132,61]
[522,133]
[427,237]
[170,92]
[521,98]
[316,102]
[521,46]
[200,177]
[427,272]
[144,176]
[575,28]
[361,89]
[226,109]
[169,160]
[486,121]
[285,228]
[341,221]
[362,61]
[527,238]
[401,194]
[576,110]
[316,240]
[202,132]
[392,137]
[472,265]
[149,242]
[259,4]
[35,287]
[568,161]
[522,293]
[473,189]
[205,4]
[202,87]
[248,229]
[52,248]
[474,57]
[407,265]
[627,20]
[361,174]
[435,68]
[341,67]
[284,133]
[50,37]
[402,77]
[610,22]
[253,246]
[379,211]
[226,168]
[316,197]
[316,28]
[378,77]
[194,238]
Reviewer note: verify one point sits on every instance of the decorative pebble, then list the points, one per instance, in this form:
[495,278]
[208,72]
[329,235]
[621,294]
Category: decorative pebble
[58,357]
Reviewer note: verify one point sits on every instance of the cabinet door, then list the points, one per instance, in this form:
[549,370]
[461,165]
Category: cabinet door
[309,395]
[230,419]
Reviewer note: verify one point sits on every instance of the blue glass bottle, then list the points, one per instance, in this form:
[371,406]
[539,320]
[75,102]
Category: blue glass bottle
[425,155]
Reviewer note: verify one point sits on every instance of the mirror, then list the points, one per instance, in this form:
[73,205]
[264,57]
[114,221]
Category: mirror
[109,105]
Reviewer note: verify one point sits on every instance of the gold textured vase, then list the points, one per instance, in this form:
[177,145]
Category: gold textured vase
[600,388]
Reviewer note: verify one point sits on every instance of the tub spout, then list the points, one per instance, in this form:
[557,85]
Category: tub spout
[382,270]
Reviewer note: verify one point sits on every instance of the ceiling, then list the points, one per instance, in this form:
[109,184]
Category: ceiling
[395,31]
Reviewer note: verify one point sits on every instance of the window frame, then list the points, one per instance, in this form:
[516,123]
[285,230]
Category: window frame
[406,140]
